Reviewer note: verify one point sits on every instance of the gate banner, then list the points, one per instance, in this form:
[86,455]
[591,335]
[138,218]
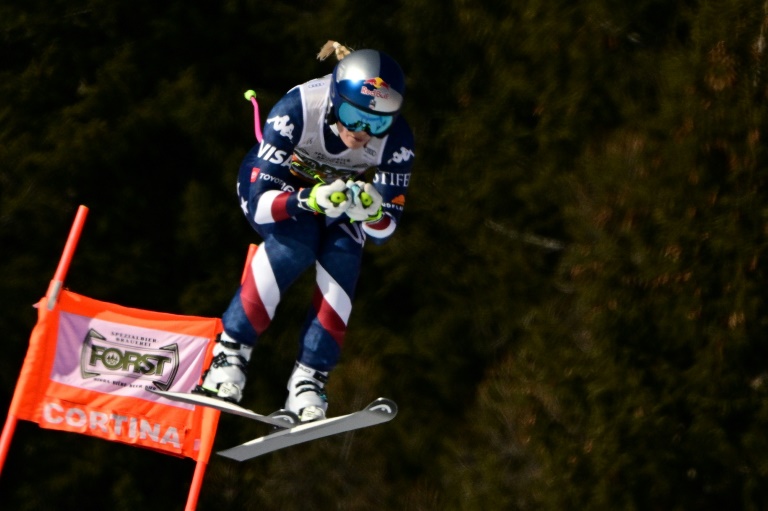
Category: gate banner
[91,365]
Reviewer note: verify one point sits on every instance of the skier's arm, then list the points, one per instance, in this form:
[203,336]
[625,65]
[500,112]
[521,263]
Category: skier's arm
[391,181]
[271,197]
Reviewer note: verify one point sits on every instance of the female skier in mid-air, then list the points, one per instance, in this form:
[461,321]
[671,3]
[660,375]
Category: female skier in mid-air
[303,190]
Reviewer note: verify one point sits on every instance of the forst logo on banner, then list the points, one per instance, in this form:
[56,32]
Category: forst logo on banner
[132,359]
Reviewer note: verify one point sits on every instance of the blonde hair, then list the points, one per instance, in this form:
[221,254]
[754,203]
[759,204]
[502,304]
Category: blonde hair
[340,50]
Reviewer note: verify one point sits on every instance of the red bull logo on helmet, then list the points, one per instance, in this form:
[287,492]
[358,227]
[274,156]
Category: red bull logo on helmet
[376,83]
[376,87]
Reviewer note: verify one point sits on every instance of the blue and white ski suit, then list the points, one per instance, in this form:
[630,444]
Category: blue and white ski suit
[294,238]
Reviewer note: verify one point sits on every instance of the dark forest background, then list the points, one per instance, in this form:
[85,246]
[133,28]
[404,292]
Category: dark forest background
[572,314]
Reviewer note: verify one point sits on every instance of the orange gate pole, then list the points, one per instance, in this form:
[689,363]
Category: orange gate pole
[52,295]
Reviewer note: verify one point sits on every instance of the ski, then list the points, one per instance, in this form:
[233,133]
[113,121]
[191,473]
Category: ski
[380,411]
[280,419]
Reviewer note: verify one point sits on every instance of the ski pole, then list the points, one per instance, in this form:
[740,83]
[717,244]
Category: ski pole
[250,95]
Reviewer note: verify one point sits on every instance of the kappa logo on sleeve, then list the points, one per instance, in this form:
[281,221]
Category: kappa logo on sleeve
[404,154]
[282,125]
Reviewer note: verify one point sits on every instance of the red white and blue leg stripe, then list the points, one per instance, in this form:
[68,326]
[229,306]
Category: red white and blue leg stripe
[273,268]
[288,250]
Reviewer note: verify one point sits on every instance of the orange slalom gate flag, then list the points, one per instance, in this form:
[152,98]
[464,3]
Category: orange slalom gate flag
[91,364]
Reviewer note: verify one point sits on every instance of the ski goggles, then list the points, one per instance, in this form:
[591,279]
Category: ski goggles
[355,119]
